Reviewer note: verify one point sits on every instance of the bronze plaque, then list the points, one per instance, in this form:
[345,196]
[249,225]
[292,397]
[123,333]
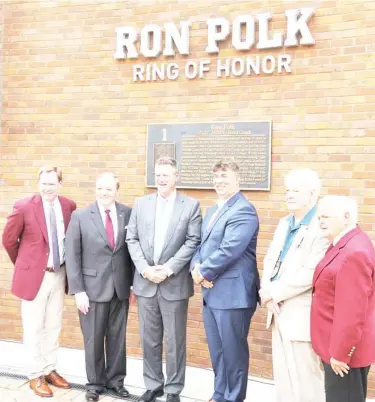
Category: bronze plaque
[198,146]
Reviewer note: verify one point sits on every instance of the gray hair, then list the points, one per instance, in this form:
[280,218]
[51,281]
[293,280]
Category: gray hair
[306,178]
[340,205]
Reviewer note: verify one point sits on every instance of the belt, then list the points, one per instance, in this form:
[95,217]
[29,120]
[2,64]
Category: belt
[50,269]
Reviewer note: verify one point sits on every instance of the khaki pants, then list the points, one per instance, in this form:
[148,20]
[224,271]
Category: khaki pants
[297,372]
[41,321]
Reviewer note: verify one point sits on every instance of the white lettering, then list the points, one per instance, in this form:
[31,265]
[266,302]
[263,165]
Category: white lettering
[295,25]
[253,66]
[191,69]
[248,42]
[204,67]
[284,62]
[138,72]
[125,39]
[215,34]
[151,40]
[180,40]
[264,41]
[272,64]
[238,67]
[172,71]
[220,67]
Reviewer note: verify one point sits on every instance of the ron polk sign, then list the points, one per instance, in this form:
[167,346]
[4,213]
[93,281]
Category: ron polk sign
[149,43]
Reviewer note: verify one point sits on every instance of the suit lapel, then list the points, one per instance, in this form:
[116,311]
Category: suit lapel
[65,212]
[150,220]
[176,213]
[332,253]
[222,211]
[97,218]
[40,216]
[120,226]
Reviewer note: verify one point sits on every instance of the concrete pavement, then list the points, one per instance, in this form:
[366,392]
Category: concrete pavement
[71,364]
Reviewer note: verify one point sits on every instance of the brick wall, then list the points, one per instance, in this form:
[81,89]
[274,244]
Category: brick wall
[67,101]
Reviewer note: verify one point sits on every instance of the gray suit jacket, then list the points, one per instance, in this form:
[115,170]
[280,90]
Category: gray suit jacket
[181,240]
[91,265]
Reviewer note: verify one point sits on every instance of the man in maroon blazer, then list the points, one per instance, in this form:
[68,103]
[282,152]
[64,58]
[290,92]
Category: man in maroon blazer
[343,302]
[34,238]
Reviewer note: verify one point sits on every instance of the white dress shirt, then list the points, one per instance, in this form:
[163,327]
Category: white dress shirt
[60,229]
[163,214]
[342,234]
[113,215]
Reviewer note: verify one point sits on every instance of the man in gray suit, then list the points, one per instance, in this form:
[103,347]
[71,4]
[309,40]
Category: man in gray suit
[100,274]
[163,233]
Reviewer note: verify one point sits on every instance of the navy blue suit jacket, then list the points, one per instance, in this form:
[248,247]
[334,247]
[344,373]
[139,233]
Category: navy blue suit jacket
[227,255]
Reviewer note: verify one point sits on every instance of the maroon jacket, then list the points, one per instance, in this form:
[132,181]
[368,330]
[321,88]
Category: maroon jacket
[25,239]
[343,302]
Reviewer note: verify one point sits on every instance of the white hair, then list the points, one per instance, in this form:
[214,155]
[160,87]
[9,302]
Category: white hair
[304,178]
[340,205]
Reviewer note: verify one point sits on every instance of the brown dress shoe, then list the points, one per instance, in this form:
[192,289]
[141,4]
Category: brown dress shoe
[40,387]
[55,379]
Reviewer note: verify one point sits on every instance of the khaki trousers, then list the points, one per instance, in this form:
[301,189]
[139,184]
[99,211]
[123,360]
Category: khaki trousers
[41,321]
[297,372]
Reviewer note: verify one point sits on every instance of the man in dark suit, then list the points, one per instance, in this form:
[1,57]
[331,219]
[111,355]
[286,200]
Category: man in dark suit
[100,274]
[343,303]
[163,233]
[225,264]
[34,240]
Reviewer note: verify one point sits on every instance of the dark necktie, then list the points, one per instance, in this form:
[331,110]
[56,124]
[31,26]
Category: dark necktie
[109,229]
[55,239]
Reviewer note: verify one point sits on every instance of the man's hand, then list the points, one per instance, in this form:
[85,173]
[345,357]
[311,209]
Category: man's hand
[82,302]
[340,368]
[272,307]
[207,284]
[265,296]
[132,298]
[197,277]
[154,275]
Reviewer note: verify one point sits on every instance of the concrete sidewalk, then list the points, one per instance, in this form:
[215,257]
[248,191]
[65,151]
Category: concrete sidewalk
[71,364]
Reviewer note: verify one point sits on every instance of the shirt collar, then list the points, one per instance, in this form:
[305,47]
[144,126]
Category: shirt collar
[343,233]
[305,220]
[48,204]
[170,199]
[102,210]
[220,203]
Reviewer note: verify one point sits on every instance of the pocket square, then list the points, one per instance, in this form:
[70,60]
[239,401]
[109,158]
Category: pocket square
[126,227]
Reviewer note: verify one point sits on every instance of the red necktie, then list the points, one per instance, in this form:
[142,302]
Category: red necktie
[109,229]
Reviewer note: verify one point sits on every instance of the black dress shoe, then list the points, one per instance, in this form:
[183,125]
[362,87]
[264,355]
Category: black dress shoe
[120,391]
[173,398]
[150,396]
[92,395]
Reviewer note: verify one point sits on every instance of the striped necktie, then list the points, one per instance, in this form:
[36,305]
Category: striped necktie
[55,239]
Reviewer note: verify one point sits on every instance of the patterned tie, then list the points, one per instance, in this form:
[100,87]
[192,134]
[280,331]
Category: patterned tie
[55,239]
[109,229]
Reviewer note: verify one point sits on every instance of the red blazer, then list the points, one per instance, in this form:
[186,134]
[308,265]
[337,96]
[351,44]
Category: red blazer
[343,302]
[25,239]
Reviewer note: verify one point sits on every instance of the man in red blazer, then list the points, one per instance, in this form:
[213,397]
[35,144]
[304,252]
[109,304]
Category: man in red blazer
[34,238]
[343,302]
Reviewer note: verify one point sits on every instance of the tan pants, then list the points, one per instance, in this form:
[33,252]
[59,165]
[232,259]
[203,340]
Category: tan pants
[297,372]
[41,321]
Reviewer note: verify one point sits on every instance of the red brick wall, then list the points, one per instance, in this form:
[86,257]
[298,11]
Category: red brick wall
[67,101]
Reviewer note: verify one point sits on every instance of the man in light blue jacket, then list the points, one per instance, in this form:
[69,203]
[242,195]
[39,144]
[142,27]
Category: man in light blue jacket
[225,265]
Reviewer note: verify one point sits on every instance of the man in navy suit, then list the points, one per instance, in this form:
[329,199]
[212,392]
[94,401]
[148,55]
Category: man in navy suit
[225,265]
